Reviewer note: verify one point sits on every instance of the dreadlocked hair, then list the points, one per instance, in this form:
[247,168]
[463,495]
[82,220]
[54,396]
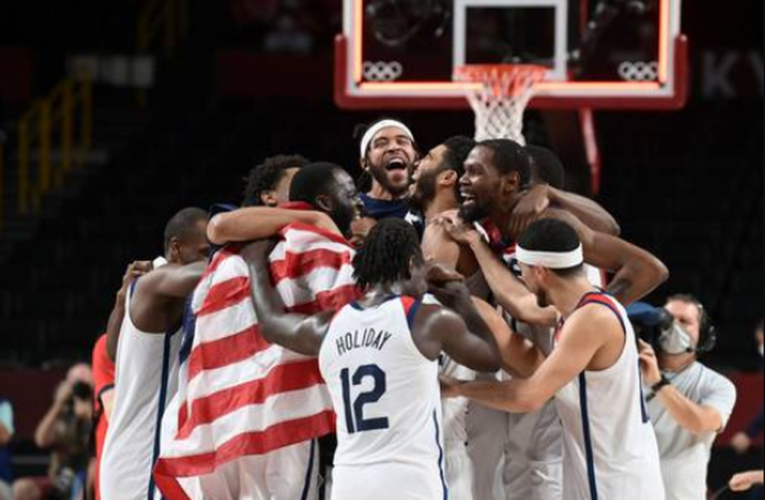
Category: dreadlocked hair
[266,176]
[387,254]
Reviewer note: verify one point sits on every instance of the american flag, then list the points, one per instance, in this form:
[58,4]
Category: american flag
[239,396]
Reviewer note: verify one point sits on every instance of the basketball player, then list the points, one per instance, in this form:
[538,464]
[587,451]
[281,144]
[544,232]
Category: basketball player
[610,448]
[147,359]
[379,357]
[547,189]
[264,219]
[268,184]
[387,155]
[435,191]
[496,173]
[514,456]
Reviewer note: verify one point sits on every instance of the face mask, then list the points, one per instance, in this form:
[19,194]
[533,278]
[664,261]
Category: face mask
[762,351]
[676,341]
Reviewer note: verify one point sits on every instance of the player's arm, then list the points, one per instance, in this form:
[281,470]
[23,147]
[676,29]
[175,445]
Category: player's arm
[637,272]
[297,332]
[508,290]
[695,418]
[582,337]
[587,210]
[542,196]
[460,332]
[519,356]
[173,281]
[257,223]
[114,325]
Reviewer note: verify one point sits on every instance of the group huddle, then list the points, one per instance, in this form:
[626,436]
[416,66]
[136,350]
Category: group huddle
[459,326]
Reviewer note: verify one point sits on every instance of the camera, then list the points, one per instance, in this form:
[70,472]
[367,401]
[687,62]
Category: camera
[650,322]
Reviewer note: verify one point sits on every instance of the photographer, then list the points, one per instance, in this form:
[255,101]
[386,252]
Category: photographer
[688,403]
[65,429]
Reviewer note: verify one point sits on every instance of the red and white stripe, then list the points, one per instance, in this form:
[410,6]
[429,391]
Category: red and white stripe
[240,396]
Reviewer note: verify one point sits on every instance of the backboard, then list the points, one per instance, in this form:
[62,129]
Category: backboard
[600,54]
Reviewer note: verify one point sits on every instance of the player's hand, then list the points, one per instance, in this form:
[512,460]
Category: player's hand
[649,364]
[449,387]
[459,231]
[258,252]
[134,270]
[745,481]
[452,294]
[741,443]
[438,274]
[529,208]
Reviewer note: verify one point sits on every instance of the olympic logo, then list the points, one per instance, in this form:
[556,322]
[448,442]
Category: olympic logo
[639,71]
[382,71]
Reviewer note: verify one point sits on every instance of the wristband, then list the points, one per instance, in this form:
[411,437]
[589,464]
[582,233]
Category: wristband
[664,382]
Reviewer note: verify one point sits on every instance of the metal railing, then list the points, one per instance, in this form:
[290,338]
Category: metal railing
[163,20]
[65,116]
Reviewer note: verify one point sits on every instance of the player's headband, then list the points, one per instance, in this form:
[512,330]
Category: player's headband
[376,128]
[550,260]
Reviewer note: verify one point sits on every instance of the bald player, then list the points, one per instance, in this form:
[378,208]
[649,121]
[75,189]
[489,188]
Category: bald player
[147,359]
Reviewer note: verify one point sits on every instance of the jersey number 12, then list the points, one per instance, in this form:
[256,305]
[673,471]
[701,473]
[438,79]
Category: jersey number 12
[354,413]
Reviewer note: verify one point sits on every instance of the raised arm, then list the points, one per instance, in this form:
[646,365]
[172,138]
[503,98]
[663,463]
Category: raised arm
[519,356]
[508,290]
[114,325]
[460,332]
[542,196]
[173,281]
[587,210]
[637,272]
[257,223]
[297,332]
[583,336]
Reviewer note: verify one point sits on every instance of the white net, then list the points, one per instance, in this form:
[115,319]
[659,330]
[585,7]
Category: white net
[501,99]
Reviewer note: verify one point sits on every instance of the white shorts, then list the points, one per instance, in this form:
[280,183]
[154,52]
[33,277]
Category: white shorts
[516,457]
[459,471]
[286,474]
[389,481]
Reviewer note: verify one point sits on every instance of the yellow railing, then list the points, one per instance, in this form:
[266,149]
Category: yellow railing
[163,20]
[66,110]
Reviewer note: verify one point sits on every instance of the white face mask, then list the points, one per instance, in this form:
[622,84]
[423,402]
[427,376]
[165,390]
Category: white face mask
[676,341]
[762,351]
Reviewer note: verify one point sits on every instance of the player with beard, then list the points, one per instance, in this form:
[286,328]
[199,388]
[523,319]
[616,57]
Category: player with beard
[387,155]
[496,174]
[610,448]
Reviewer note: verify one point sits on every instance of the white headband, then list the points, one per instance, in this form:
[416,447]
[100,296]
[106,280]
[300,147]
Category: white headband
[376,128]
[550,260]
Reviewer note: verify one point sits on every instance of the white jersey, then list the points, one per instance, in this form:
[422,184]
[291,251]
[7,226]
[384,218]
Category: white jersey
[388,401]
[609,445]
[146,377]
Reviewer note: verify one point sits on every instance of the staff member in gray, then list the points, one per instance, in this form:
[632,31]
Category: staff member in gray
[688,403]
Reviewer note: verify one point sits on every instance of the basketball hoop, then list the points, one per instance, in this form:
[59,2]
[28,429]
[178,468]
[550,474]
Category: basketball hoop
[506,90]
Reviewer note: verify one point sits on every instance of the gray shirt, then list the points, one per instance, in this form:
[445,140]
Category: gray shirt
[685,456]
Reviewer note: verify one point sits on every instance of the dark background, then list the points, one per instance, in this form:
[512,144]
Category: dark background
[686,185]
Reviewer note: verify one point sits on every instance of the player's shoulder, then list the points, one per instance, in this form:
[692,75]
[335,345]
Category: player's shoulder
[595,318]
